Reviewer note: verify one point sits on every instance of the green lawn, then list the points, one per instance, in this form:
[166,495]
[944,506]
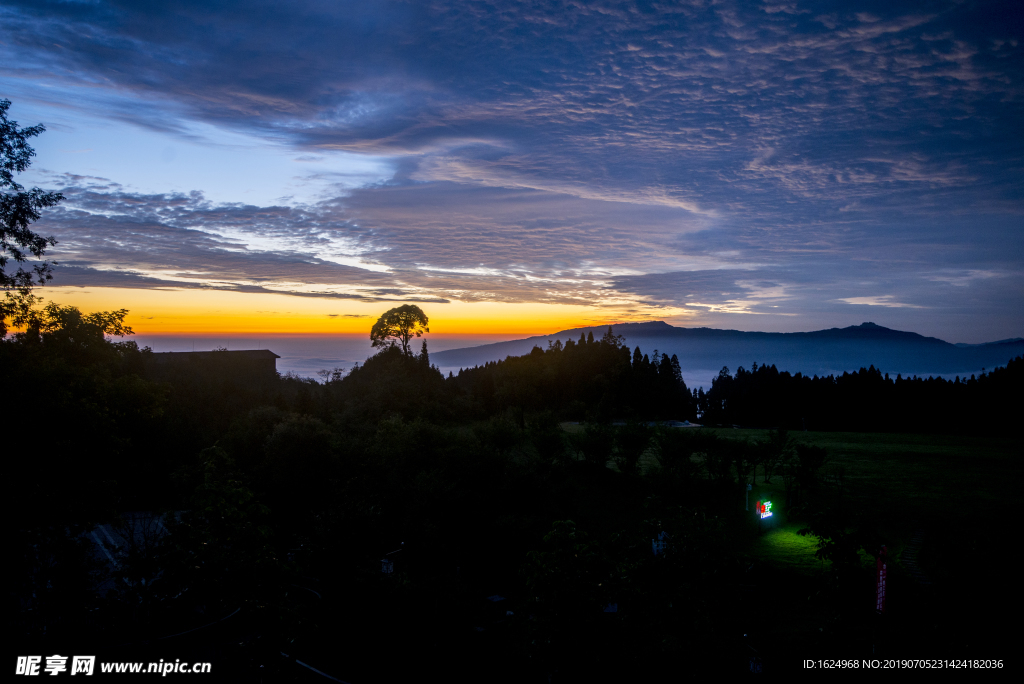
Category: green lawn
[904,482]
[919,474]
[901,482]
[783,547]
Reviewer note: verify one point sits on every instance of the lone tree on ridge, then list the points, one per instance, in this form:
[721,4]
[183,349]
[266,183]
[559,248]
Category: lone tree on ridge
[400,324]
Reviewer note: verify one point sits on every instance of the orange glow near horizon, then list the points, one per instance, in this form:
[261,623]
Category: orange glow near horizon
[174,311]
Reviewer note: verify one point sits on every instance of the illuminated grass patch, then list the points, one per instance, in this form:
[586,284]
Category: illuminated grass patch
[787,549]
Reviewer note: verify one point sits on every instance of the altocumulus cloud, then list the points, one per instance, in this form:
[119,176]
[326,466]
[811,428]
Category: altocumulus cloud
[817,160]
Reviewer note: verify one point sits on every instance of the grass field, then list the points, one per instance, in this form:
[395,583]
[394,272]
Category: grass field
[925,470]
[954,494]
[904,482]
[783,547]
[916,475]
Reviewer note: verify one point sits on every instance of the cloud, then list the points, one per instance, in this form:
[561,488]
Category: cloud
[422,242]
[643,106]
[964,278]
[888,301]
[770,158]
[111,237]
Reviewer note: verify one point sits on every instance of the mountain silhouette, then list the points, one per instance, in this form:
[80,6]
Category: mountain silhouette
[819,352]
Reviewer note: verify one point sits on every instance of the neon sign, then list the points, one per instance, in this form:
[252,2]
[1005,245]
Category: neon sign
[764,509]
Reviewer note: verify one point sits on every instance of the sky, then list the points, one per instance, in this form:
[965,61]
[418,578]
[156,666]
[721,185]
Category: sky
[516,168]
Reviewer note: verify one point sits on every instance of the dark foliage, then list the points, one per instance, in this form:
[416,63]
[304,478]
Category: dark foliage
[864,401]
[595,380]
[19,209]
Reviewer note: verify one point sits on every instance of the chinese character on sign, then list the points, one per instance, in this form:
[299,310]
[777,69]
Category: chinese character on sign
[56,663]
[28,665]
[83,665]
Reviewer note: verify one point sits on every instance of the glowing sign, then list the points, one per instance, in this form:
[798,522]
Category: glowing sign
[764,508]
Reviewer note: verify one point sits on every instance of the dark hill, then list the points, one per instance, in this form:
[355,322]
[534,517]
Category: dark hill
[818,352]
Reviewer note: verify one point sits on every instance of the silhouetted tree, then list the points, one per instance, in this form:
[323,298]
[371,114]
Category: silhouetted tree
[632,441]
[772,451]
[18,209]
[594,444]
[400,325]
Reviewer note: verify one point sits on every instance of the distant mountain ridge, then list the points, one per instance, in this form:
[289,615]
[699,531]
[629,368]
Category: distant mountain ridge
[818,352]
[1009,340]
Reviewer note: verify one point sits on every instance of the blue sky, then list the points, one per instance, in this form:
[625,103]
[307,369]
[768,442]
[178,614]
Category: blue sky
[759,166]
